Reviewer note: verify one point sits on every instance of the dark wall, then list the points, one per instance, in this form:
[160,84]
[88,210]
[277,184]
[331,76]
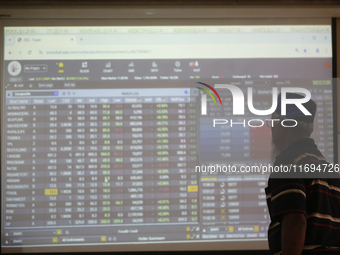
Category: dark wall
[322,3]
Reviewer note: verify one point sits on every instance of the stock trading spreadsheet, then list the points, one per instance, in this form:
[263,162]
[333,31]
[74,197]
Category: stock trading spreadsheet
[79,156]
[87,164]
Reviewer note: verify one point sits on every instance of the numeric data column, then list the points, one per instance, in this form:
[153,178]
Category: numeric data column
[136,211]
[52,165]
[104,157]
[93,201]
[79,159]
[65,170]
[183,182]
[46,163]
[162,166]
[118,170]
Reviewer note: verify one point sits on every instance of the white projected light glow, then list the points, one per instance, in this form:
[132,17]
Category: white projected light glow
[102,130]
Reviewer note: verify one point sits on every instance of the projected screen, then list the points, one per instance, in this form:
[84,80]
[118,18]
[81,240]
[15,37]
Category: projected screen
[102,131]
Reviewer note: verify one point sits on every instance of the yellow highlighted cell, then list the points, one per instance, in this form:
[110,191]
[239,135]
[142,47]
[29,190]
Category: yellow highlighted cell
[209,179]
[54,239]
[193,188]
[256,228]
[59,232]
[230,229]
[188,236]
[188,228]
[103,238]
[51,192]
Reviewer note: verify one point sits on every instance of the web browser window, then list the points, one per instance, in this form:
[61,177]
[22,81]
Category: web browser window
[103,130]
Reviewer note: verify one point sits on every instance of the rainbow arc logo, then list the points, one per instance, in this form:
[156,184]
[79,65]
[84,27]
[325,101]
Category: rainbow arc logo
[209,93]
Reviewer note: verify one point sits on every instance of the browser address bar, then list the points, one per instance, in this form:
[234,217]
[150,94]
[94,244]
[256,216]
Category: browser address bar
[172,51]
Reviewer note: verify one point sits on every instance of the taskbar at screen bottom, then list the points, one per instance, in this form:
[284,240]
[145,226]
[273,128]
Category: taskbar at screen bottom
[187,245]
[117,235]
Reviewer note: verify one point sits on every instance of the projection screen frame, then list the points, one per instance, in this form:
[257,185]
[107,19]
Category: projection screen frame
[167,246]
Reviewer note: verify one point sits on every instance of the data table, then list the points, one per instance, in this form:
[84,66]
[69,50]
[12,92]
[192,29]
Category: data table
[99,160]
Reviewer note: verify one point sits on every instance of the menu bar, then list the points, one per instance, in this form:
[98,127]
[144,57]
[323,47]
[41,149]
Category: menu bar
[68,71]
